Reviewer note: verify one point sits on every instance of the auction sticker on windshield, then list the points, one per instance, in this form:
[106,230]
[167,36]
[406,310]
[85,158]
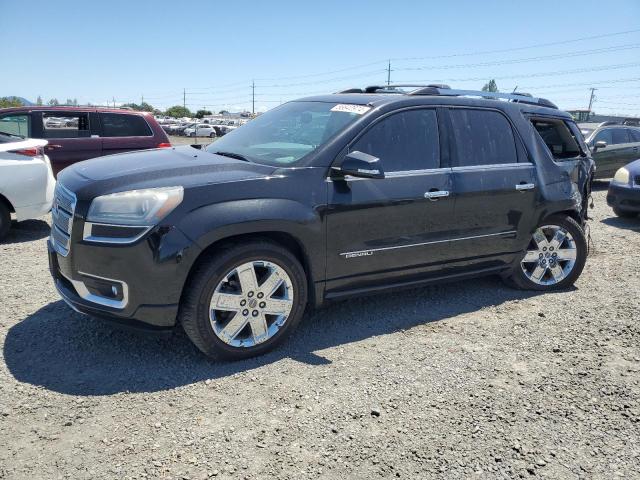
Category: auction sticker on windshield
[349,108]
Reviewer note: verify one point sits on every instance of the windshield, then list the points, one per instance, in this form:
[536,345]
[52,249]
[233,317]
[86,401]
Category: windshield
[286,134]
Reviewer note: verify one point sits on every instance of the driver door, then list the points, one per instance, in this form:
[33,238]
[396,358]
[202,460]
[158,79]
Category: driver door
[379,230]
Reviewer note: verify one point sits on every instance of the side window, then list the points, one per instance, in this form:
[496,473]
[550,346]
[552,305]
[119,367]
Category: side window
[603,136]
[482,137]
[558,138]
[404,141]
[634,135]
[16,124]
[122,125]
[620,135]
[65,125]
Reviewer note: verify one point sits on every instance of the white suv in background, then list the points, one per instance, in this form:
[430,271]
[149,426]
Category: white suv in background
[26,180]
[200,130]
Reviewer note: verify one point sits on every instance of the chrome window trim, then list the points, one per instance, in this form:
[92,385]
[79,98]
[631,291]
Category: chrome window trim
[492,166]
[382,249]
[85,294]
[88,237]
[398,174]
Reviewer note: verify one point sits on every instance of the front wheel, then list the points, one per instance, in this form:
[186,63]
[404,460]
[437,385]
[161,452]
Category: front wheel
[212,135]
[244,301]
[624,213]
[5,220]
[554,258]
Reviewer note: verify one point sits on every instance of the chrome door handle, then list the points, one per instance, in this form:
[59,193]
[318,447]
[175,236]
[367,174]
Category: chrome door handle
[525,186]
[436,194]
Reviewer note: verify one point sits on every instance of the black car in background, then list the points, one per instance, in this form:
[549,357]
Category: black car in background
[624,191]
[612,146]
[321,199]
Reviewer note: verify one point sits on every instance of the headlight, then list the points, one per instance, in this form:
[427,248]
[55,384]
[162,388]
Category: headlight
[136,207]
[621,176]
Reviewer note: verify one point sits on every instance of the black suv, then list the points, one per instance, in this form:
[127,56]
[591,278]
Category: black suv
[319,199]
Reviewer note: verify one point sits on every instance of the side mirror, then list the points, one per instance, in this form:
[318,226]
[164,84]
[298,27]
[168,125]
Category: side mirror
[599,144]
[359,164]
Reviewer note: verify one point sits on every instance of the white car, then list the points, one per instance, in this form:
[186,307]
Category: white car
[200,130]
[26,180]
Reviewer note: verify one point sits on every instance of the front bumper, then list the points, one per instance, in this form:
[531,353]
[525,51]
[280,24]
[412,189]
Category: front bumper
[625,198]
[148,279]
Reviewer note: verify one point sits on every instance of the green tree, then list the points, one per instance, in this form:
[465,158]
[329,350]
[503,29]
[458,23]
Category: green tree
[143,107]
[178,111]
[53,102]
[6,102]
[202,113]
[490,86]
[39,100]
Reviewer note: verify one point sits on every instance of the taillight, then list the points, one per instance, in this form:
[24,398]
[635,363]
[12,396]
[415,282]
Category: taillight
[164,145]
[29,152]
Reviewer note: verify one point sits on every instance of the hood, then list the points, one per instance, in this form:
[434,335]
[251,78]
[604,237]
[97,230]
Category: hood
[160,167]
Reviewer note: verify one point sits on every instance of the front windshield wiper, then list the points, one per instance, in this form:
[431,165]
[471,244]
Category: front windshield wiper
[237,156]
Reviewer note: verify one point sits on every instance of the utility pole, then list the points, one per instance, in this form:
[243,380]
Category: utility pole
[114,102]
[141,99]
[389,74]
[184,98]
[253,97]
[591,98]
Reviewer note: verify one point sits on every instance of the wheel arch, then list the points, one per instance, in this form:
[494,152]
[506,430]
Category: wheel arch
[4,200]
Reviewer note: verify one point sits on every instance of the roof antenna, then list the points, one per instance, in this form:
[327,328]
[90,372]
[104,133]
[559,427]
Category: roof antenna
[515,88]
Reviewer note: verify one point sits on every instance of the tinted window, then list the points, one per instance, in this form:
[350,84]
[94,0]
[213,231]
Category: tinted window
[65,125]
[557,137]
[603,136]
[16,124]
[620,135]
[634,135]
[482,137]
[404,141]
[120,125]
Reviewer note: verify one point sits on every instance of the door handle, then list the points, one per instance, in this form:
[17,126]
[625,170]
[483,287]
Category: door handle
[436,194]
[525,186]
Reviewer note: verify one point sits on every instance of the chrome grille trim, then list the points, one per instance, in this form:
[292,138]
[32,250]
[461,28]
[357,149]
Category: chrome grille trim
[64,206]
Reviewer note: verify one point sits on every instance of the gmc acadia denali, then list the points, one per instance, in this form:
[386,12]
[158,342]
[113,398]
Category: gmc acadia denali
[322,198]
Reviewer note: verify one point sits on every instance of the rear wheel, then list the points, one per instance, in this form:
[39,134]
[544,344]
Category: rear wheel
[554,258]
[244,301]
[624,213]
[212,135]
[5,220]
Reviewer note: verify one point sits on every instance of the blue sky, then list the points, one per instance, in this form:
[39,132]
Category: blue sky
[96,51]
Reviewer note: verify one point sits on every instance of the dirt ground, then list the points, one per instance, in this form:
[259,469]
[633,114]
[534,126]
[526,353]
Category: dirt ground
[464,380]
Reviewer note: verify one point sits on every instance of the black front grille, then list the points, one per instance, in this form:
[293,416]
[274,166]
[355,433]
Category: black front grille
[636,180]
[64,205]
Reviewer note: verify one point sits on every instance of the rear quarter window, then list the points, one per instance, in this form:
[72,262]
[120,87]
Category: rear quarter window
[558,137]
[121,125]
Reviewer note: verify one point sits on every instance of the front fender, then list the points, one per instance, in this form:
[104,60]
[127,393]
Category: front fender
[211,223]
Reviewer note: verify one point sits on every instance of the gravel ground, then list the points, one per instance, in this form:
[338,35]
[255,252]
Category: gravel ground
[466,380]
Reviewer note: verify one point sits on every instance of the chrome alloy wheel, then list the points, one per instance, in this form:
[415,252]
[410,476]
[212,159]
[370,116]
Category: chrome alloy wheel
[551,255]
[251,303]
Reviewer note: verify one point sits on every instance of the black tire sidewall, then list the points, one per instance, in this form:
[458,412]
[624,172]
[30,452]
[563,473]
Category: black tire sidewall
[520,279]
[215,272]
[5,221]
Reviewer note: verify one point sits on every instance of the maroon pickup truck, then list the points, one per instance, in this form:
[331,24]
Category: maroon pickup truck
[81,133]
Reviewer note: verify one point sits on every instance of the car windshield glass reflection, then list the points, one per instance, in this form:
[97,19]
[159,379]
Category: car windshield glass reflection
[285,135]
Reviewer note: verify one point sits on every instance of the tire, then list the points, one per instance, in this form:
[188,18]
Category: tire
[212,135]
[5,221]
[192,134]
[207,326]
[624,213]
[557,273]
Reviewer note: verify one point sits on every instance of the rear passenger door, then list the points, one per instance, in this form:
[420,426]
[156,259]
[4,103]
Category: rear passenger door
[123,132]
[494,187]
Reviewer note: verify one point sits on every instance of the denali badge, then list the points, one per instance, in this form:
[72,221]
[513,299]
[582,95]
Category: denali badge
[358,254]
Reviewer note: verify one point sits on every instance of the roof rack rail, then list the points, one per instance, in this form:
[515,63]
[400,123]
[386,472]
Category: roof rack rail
[514,97]
[440,89]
